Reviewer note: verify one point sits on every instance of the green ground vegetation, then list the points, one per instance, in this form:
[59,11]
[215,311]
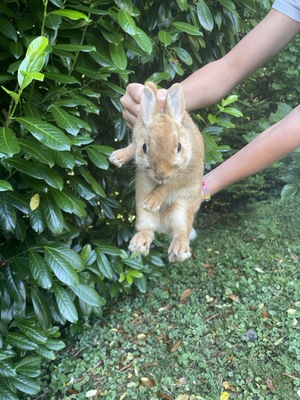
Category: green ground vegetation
[224,325]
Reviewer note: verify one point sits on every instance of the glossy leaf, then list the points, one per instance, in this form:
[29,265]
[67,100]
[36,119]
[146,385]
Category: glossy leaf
[104,264]
[29,366]
[69,203]
[88,295]
[53,215]
[143,41]
[126,22]
[187,28]
[36,150]
[71,14]
[48,134]
[96,156]
[41,308]
[4,186]
[20,341]
[40,270]
[118,55]
[25,384]
[65,304]
[204,15]
[61,267]
[8,142]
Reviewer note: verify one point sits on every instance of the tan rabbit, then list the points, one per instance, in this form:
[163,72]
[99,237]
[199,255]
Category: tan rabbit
[168,151]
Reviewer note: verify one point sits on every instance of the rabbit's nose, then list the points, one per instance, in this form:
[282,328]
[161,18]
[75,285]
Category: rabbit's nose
[161,174]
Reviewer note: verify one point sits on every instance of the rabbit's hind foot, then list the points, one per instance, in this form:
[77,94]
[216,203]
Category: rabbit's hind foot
[141,241]
[179,250]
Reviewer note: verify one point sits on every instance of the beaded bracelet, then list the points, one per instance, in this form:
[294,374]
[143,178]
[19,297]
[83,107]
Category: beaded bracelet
[206,192]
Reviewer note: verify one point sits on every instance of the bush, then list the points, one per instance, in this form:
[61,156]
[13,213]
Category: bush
[64,213]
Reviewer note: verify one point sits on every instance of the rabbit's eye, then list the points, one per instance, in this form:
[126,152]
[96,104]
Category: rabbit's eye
[145,148]
[179,147]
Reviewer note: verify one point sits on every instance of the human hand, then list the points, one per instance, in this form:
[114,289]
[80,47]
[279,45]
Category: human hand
[131,102]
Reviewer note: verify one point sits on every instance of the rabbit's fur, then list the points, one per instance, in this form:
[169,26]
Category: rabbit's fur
[168,151]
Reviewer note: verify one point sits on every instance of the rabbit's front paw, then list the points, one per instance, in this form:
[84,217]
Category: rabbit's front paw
[118,157]
[179,250]
[140,243]
[151,204]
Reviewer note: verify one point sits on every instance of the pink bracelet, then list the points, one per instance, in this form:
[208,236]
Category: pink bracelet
[206,192]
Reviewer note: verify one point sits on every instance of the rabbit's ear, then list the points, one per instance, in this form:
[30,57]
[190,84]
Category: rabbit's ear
[174,105]
[149,105]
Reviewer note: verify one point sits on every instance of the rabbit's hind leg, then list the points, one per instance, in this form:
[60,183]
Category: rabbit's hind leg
[141,241]
[181,224]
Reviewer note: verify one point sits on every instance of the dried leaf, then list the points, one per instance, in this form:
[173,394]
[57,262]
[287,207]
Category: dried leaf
[148,383]
[234,298]
[163,396]
[176,346]
[186,293]
[265,314]
[123,396]
[226,386]
[278,342]
[271,385]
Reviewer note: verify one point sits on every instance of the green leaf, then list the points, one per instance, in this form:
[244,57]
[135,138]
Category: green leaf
[126,22]
[41,308]
[289,190]
[118,55]
[20,341]
[15,96]
[53,215]
[65,120]
[8,142]
[92,181]
[46,133]
[36,220]
[6,394]
[40,270]
[88,295]
[143,41]
[36,150]
[50,175]
[8,29]
[74,48]
[8,217]
[61,267]
[33,333]
[183,55]
[4,186]
[187,28]
[15,286]
[165,37]
[25,166]
[96,156]
[25,385]
[65,304]
[62,78]
[104,264]
[229,100]
[68,202]
[71,14]
[233,111]
[29,366]
[205,16]
[7,369]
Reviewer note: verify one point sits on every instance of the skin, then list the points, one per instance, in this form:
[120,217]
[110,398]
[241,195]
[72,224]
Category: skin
[214,81]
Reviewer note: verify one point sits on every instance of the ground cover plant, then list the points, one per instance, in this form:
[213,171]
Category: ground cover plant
[224,325]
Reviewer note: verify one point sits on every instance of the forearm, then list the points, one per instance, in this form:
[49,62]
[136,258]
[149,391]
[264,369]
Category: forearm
[270,146]
[215,80]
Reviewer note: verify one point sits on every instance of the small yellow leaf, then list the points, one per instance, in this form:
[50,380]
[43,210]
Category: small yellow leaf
[224,396]
[34,202]
[226,386]
[234,298]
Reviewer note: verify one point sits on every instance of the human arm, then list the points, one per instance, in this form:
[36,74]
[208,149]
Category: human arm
[216,79]
[273,144]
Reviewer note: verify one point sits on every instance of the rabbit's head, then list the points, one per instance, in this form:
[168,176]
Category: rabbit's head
[163,142]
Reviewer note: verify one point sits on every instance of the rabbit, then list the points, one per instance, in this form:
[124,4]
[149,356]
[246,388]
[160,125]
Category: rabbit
[168,150]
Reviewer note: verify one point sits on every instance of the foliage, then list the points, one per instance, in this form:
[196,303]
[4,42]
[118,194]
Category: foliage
[64,213]
[227,321]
